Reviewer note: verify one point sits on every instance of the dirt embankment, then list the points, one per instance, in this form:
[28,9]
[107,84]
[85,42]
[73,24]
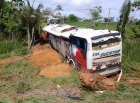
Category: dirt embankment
[96,81]
[49,62]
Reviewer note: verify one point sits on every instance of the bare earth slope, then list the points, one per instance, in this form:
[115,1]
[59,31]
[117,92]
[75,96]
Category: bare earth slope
[49,61]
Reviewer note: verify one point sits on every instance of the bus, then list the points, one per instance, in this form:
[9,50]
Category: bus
[99,51]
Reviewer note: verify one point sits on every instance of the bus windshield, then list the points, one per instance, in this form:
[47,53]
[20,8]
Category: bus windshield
[100,43]
[55,21]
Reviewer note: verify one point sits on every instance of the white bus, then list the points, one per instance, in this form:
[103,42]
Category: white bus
[100,51]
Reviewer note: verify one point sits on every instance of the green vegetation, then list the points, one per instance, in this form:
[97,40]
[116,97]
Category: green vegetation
[124,17]
[10,48]
[18,80]
[131,60]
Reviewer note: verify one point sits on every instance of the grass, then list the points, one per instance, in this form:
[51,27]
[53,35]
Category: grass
[86,24]
[18,78]
[10,48]
[131,60]
[48,89]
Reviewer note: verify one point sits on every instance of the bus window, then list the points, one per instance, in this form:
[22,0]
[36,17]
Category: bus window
[105,42]
[83,44]
[79,42]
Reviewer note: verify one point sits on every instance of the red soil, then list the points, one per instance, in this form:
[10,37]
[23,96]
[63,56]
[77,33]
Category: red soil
[48,61]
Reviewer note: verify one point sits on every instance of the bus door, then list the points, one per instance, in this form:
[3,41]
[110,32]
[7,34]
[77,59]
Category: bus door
[79,52]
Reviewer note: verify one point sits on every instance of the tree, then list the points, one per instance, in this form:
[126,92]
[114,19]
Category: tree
[32,18]
[95,13]
[72,18]
[136,5]
[2,4]
[49,12]
[124,17]
[8,20]
[59,8]
[136,28]
[110,19]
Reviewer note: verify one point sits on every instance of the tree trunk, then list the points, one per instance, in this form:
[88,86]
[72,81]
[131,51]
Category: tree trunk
[30,36]
[29,39]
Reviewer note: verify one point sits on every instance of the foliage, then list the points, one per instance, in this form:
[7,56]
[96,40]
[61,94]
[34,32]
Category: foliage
[32,17]
[136,5]
[72,18]
[11,48]
[110,19]
[8,20]
[2,4]
[130,57]
[3,100]
[136,30]
[124,17]
[22,87]
[95,13]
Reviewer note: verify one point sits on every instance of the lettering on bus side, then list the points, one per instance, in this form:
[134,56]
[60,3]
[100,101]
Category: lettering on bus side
[96,54]
[110,53]
[107,53]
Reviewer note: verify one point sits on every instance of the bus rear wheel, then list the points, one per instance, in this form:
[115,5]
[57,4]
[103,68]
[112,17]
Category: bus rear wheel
[72,64]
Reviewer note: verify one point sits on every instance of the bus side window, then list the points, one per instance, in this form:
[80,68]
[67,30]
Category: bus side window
[73,40]
[79,42]
[83,44]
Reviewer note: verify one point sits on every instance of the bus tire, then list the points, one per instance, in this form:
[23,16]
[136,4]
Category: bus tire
[72,63]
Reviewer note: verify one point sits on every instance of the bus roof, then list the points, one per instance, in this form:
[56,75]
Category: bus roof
[91,33]
[67,30]
[60,30]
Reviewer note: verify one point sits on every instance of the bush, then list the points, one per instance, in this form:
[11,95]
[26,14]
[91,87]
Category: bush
[131,54]
[11,48]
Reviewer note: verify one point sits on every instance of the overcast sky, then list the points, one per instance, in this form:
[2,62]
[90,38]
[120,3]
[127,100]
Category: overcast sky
[81,8]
